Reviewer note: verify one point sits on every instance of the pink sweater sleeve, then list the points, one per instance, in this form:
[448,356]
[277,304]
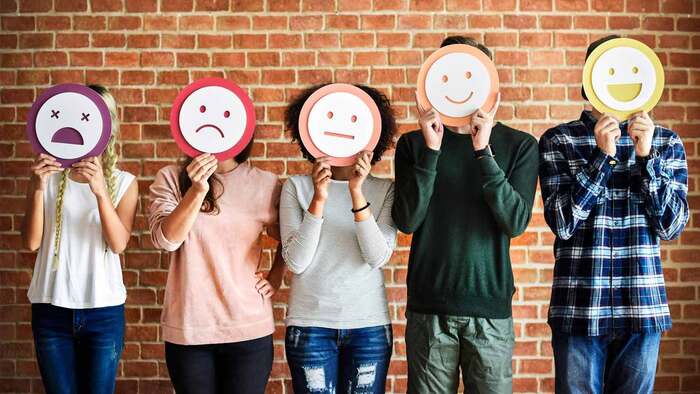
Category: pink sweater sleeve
[164,196]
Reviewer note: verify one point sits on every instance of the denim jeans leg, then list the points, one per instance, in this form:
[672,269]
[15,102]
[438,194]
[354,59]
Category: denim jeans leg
[579,363]
[364,360]
[53,341]
[632,363]
[312,355]
[100,339]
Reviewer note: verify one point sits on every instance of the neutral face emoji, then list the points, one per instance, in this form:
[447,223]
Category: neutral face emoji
[69,125]
[457,84]
[212,119]
[340,124]
[623,78]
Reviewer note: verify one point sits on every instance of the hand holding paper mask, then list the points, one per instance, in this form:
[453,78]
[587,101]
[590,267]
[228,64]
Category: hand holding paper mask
[481,125]
[339,121]
[69,122]
[641,130]
[623,76]
[607,132]
[212,115]
[431,126]
[456,81]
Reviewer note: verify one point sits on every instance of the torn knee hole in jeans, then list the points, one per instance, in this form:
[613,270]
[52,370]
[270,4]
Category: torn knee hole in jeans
[316,380]
[366,374]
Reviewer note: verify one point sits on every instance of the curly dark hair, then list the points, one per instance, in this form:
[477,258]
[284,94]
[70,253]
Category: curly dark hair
[293,111]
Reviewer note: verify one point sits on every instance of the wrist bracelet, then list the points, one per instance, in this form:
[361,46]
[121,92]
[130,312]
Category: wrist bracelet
[360,209]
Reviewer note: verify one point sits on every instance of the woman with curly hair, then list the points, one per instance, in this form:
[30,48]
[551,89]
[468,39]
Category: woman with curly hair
[79,219]
[339,335]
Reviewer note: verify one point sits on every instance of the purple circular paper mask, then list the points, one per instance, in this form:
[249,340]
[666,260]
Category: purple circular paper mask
[69,122]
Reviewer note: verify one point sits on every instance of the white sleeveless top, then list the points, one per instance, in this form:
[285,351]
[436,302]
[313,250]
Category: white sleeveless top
[87,275]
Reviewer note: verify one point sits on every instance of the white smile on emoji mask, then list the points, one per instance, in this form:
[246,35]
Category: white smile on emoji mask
[457,84]
[340,124]
[623,78]
[212,119]
[68,125]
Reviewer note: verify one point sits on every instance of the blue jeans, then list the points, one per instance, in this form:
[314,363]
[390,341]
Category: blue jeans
[623,363]
[78,350]
[324,360]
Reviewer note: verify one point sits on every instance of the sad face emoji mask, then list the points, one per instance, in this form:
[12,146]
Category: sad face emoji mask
[212,115]
[69,122]
[623,76]
[339,121]
[456,81]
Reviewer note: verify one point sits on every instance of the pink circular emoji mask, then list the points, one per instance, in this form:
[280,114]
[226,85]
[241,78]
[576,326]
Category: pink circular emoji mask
[457,80]
[212,115]
[339,121]
[69,122]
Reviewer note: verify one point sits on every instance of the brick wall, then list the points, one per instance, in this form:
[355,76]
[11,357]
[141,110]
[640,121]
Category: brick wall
[146,50]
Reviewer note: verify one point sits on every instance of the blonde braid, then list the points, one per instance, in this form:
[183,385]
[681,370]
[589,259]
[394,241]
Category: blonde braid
[59,217]
[109,166]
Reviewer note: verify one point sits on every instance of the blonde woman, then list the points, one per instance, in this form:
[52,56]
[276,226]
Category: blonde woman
[79,219]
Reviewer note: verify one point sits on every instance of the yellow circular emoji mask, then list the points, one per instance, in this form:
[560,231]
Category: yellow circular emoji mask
[623,76]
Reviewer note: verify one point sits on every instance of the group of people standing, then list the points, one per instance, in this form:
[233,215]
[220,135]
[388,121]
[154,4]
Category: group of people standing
[611,190]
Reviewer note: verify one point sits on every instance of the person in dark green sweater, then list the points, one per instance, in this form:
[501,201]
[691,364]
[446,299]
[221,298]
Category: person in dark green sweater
[463,193]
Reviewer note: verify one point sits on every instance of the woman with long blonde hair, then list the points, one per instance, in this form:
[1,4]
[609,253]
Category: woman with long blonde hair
[79,219]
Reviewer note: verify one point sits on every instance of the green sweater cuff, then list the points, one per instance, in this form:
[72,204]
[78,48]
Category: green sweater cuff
[429,159]
[489,168]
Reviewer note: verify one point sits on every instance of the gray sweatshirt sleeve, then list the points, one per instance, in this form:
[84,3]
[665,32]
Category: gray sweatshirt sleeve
[377,237]
[300,230]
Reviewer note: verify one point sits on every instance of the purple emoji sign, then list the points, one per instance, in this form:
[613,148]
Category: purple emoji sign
[69,122]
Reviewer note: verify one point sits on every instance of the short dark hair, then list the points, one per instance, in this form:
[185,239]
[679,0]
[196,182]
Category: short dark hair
[450,40]
[293,111]
[591,47]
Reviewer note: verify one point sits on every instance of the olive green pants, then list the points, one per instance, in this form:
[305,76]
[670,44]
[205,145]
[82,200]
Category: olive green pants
[437,347]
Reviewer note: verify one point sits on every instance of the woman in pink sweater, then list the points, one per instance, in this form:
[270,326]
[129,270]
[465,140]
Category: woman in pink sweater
[217,315]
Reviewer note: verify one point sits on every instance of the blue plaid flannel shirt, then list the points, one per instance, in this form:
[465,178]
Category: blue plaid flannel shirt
[608,214]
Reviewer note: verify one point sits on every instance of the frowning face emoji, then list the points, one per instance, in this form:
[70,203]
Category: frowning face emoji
[456,81]
[339,121]
[214,116]
[69,122]
[623,76]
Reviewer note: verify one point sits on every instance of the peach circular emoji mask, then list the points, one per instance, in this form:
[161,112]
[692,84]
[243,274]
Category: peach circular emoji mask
[69,122]
[457,80]
[339,121]
[212,115]
[623,76]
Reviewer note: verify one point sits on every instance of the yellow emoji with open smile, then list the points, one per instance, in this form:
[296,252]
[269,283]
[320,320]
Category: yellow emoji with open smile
[623,76]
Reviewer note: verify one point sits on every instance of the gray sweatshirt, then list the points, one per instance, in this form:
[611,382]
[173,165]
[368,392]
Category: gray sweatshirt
[338,281]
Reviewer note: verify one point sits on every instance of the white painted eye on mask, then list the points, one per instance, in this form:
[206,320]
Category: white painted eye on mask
[214,116]
[69,122]
[339,121]
[623,76]
[456,81]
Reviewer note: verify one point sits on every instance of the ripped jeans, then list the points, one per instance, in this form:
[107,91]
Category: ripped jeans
[78,350]
[324,360]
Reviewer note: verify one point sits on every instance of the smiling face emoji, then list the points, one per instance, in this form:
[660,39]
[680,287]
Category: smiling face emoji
[456,81]
[69,122]
[339,121]
[212,116]
[623,76]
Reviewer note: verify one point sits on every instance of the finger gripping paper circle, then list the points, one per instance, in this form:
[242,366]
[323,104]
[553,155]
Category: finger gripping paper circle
[339,121]
[456,81]
[623,76]
[212,115]
[69,122]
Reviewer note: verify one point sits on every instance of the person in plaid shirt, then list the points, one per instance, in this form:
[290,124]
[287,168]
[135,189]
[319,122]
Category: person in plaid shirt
[611,190]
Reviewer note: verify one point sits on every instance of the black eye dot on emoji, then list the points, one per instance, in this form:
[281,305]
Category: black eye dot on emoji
[444,78]
[54,114]
[611,71]
[635,69]
[329,115]
[468,74]
[227,114]
[202,108]
[353,119]
[85,117]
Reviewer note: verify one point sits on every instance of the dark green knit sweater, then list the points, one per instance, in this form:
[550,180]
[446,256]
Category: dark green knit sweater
[462,213]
